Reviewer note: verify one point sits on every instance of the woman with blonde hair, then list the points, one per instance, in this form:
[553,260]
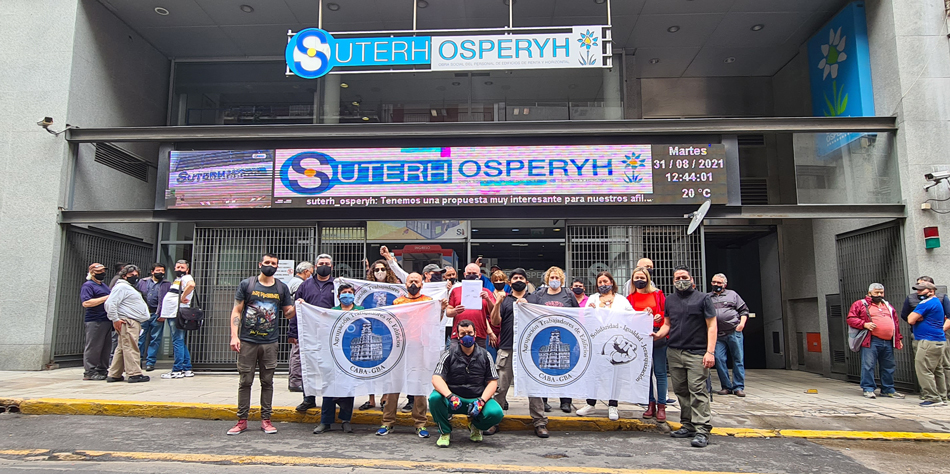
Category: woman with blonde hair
[643,296]
[554,294]
[606,297]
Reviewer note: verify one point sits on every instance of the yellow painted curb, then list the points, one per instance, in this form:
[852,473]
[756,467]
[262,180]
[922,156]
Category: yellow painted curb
[866,435]
[388,464]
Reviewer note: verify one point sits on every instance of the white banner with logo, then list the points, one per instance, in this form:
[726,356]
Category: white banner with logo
[391,349]
[372,294]
[582,353]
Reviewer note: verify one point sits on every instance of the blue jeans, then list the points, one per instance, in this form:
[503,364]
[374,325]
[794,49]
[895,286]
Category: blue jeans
[732,343]
[659,371]
[182,356]
[328,409]
[152,332]
[881,353]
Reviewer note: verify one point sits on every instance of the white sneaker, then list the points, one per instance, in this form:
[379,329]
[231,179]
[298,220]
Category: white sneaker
[174,375]
[586,410]
[189,373]
[613,414]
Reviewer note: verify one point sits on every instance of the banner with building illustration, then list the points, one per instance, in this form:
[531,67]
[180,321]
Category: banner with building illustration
[391,349]
[582,353]
[373,294]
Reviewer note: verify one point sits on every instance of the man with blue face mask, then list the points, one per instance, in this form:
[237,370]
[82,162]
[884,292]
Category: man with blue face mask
[465,381]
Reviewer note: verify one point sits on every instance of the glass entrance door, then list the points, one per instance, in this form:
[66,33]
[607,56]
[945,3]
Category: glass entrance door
[532,244]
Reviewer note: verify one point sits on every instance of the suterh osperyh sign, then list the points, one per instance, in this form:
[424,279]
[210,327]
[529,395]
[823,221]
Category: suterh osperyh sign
[313,52]
[449,176]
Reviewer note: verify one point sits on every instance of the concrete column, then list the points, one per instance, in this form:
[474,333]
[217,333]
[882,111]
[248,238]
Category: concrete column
[613,106]
[331,98]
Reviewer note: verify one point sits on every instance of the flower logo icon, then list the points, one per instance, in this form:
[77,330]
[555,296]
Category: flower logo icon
[833,54]
[632,163]
[587,40]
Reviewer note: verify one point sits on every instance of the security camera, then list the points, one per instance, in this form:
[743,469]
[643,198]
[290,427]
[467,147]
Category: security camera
[935,178]
[46,122]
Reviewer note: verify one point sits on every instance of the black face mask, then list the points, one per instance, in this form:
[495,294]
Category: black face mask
[158,276]
[578,290]
[99,276]
[453,280]
[472,277]
[268,270]
[132,280]
[413,289]
[435,276]
[179,273]
[640,284]
[518,286]
[499,286]
[920,297]
[877,299]
[717,288]
[324,270]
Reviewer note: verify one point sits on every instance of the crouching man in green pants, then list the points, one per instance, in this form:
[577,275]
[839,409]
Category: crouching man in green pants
[464,379]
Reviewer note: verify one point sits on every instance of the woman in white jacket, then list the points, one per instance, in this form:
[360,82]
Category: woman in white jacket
[605,297]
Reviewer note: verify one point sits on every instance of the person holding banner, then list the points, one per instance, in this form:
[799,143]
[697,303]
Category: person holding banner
[554,295]
[691,322]
[347,297]
[464,383]
[503,315]
[317,291]
[391,400]
[578,289]
[254,334]
[606,297]
[379,272]
[644,296]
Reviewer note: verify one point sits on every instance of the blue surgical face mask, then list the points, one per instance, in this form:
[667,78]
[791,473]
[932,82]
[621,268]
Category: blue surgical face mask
[347,298]
[468,340]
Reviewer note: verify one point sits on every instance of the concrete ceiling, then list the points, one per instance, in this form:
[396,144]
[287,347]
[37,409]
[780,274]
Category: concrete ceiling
[710,31]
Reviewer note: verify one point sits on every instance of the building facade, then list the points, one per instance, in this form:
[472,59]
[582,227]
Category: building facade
[175,111]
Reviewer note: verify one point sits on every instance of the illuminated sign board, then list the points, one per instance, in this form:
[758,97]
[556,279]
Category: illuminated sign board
[312,52]
[220,179]
[479,176]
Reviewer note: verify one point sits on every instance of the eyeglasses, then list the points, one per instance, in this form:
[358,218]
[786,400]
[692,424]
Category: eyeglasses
[379,269]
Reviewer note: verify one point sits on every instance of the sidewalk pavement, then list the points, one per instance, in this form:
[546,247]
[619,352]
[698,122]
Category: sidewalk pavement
[776,400]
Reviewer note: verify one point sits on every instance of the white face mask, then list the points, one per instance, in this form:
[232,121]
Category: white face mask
[380,275]
[554,284]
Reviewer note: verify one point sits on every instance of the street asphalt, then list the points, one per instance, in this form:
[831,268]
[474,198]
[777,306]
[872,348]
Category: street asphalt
[63,444]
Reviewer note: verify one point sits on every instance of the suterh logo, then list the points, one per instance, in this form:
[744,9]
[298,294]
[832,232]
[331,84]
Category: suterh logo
[311,173]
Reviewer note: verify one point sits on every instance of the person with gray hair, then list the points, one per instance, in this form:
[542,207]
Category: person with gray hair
[318,291]
[303,271]
[731,316]
[127,310]
[876,315]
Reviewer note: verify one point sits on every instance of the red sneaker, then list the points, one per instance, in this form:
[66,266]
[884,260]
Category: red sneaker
[239,428]
[267,427]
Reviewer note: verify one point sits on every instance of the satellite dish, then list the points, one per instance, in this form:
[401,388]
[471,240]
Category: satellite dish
[697,217]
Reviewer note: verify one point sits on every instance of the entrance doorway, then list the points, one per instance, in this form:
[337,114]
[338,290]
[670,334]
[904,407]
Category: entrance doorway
[532,244]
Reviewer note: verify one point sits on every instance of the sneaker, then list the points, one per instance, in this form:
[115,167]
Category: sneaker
[566,407]
[701,440]
[321,428]
[114,379]
[869,395]
[893,395]
[724,391]
[422,432]
[613,414]
[189,373]
[149,368]
[94,377]
[929,403]
[139,378]
[547,407]
[346,427]
[364,406]
[443,441]
[682,433]
[239,428]
[476,436]
[385,430]
[174,375]
[586,410]
[267,427]
[406,408]
[306,404]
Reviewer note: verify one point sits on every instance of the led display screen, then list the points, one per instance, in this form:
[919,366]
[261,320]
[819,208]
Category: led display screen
[450,176]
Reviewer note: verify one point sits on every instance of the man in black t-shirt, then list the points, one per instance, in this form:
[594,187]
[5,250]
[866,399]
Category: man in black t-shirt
[503,315]
[254,330]
[691,323]
[464,380]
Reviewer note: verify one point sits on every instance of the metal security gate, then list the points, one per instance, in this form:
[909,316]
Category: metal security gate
[594,248]
[875,255]
[83,247]
[347,246]
[223,256]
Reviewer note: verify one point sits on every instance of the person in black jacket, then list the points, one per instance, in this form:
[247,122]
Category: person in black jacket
[153,289]
[691,324]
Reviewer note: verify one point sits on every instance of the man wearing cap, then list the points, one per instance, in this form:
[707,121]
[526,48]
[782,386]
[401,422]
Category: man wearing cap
[928,320]
[876,315]
[93,294]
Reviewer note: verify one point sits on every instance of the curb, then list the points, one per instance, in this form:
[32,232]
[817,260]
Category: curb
[202,411]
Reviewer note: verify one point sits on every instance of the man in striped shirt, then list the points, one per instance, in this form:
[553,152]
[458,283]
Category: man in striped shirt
[465,381]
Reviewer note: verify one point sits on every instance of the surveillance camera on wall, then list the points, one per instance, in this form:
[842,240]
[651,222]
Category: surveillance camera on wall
[935,178]
[46,122]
